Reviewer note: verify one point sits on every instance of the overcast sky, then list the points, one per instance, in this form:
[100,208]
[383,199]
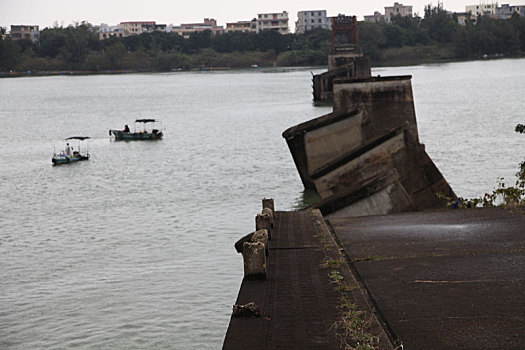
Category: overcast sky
[45,12]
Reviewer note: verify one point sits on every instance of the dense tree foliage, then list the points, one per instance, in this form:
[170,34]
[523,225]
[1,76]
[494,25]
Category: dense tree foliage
[405,40]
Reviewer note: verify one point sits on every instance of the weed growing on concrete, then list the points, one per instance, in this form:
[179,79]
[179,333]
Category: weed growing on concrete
[327,246]
[333,263]
[352,328]
[336,277]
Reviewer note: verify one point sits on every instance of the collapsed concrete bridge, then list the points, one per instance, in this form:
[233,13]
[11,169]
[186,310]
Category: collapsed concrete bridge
[365,158]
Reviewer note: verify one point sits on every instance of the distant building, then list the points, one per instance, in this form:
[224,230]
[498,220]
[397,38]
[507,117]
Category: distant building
[106,31]
[277,22]
[397,9]
[309,20]
[242,26]
[377,17]
[506,11]
[482,9]
[137,28]
[29,32]
[113,34]
[186,29]
[463,17]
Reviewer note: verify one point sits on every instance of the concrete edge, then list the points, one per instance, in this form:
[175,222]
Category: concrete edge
[355,291]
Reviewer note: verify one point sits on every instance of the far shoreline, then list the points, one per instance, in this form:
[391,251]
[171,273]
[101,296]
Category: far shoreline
[258,68]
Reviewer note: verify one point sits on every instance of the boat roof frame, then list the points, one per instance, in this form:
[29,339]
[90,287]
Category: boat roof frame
[146,121]
[81,138]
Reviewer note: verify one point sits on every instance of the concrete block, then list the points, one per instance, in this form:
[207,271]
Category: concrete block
[261,236]
[264,222]
[270,213]
[268,203]
[267,211]
[254,258]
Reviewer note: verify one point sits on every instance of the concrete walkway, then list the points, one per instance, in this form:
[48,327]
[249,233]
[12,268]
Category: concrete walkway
[299,301]
[451,279]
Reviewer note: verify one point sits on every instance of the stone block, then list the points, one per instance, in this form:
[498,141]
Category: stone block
[261,236]
[264,222]
[254,258]
[268,203]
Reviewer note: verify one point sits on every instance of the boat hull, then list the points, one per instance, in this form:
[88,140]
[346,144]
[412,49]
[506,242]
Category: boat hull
[63,159]
[136,136]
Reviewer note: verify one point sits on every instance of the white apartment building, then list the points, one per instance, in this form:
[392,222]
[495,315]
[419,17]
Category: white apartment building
[277,22]
[506,11]
[482,9]
[309,20]
[377,17]
[397,9]
[105,31]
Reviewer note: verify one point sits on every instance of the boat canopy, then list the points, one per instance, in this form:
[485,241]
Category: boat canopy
[145,121]
[81,138]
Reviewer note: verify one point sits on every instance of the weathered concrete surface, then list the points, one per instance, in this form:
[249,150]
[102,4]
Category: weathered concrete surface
[387,101]
[365,158]
[345,59]
[319,141]
[368,116]
[345,41]
[451,279]
[298,301]
[396,172]
[346,67]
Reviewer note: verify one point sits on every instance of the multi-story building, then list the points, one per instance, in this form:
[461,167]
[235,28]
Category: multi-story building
[118,33]
[397,9]
[482,9]
[277,22]
[506,11]
[136,28]
[463,17]
[377,17]
[242,26]
[186,29]
[29,32]
[309,20]
[106,31]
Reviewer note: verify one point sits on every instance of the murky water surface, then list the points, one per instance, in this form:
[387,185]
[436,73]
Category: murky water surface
[133,249]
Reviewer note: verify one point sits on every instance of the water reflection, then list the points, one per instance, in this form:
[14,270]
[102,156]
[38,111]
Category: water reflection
[306,198]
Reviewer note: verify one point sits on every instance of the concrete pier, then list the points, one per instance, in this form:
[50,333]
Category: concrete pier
[452,279]
[302,301]
[447,279]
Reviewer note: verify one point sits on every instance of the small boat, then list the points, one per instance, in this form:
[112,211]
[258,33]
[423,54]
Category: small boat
[70,155]
[142,131]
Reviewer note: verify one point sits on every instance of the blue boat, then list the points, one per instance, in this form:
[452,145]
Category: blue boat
[69,155]
[141,131]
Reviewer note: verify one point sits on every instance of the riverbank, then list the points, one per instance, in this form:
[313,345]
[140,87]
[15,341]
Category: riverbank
[396,58]
[105,72]
[428,54]
[392,63]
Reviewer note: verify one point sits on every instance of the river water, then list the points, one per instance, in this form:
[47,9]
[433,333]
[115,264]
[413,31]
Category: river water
[133,249]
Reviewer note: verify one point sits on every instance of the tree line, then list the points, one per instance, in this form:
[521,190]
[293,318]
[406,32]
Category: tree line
[438,36]
[78,48]
[406,40]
